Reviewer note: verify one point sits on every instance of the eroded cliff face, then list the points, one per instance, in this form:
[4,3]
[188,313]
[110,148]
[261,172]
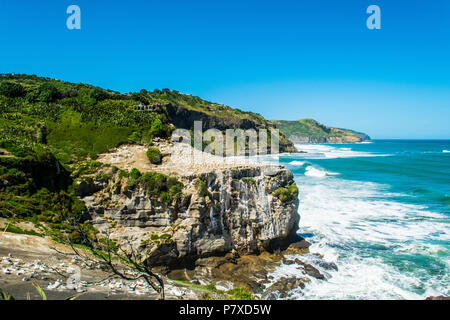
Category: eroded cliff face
[218,212]
[316,140]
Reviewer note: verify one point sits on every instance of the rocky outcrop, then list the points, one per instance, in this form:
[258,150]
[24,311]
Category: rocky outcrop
[222,211]
[184,118]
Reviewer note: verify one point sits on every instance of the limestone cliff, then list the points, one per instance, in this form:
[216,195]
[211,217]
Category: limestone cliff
[245,208]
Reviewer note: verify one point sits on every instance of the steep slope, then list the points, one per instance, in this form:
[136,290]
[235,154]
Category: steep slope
[311,131]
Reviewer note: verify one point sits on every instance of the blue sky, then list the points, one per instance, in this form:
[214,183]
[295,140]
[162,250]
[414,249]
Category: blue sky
[283,59]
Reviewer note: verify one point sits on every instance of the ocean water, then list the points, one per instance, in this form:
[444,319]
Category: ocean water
[381,211]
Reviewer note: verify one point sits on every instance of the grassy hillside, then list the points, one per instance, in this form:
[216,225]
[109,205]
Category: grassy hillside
[309,130]
[49,129]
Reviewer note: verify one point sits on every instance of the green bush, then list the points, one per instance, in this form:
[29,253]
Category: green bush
[158,129]
[48,93]
[166,188]
[11,89]
[99,94]
[154,155]
[287,194]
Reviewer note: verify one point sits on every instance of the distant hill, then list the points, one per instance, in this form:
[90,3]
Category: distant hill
[311,131]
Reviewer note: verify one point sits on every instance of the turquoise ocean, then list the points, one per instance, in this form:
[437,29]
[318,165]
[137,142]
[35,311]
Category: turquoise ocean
[380,210]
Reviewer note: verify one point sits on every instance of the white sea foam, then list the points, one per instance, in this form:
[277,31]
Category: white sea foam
[357,226]
[446,151]
[318,173]
[313,172]
[320,151]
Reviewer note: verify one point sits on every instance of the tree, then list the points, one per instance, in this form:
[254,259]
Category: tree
[48,93]
[99,94]
[11,89]
[141,97]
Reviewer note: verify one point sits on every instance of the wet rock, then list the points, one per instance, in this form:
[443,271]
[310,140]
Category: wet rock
[310,270]
[328,265]
[288,261]
[269,295]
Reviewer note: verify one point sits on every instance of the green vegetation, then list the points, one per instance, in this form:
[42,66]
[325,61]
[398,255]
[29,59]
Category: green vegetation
[14,229]
[240,294]
[166,189]
[135,174]
[11,89]
[201,187]
[154,155]
[248,180]
[158,240]
[71,120]
[286,194]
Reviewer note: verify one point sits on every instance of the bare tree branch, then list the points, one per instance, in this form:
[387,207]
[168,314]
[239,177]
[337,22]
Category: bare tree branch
[103,254]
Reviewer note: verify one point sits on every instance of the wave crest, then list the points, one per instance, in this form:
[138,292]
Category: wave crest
[318,173]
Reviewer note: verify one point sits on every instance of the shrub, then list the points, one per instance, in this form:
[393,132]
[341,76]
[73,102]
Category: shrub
[154,155]
[158,129]
[99,94]
[123,174]
[166,188]
[135,173]
[11,89]
[48,93]
[287,194]
[240,294]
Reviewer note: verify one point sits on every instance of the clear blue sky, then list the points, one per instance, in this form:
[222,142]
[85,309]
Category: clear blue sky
[283,59]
